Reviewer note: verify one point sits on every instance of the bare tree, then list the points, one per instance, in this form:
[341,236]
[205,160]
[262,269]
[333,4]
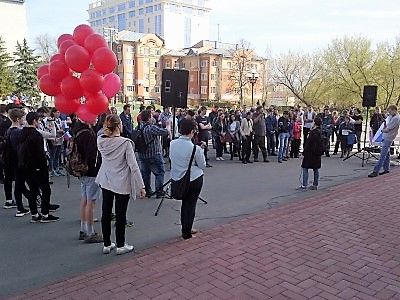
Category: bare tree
[300,73]
[241,61]
[46,46]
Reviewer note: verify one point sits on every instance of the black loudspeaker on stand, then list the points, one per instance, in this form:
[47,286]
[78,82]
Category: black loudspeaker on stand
[174,93]
[369,100]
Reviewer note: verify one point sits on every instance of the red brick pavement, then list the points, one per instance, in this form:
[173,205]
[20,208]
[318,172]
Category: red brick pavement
[340,244]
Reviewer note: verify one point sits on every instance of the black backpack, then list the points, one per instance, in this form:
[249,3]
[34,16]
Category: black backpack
[139,140]
[75,164]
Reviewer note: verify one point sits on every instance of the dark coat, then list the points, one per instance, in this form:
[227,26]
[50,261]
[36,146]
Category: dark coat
[313,150]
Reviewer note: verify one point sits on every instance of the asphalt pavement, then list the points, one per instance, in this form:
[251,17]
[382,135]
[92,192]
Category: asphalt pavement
[34,255]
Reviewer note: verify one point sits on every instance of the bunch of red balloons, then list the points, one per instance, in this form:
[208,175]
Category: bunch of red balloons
[80,76]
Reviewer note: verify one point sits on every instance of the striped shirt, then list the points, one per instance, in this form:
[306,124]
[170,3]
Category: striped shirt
[152,134]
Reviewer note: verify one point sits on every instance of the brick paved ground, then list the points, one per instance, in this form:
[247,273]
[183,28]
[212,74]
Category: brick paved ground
[340,244]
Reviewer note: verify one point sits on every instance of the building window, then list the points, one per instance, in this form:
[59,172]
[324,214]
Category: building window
[146,89]
[203,89]
[176,65]
[129,49]
[214,63]
[121,7]
[167,64]
[204,76]
[156,64]
[131,4]
[147,76]
[111,10]
[204,63]
[191,78]
[141,26]
[213,90]
[111,19]
[131,14]
[229,65]
[129,62]
[130,88]
[156,77]
[149,9]
[141,11]
[141,2]
[157,89]
[183,66]
[146,64]
[213,77]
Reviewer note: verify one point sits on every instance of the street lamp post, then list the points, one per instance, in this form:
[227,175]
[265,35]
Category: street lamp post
[252,77]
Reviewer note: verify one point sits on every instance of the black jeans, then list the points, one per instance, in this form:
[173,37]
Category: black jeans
[121,206]
[246,148]
[20,188]
[306,131]
[9,177]
[358,134]
[38,181]
[188,208]
[271,138]
[219,147]
[295,148]
[259,142]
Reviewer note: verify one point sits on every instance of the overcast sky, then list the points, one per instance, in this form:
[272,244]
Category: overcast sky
[277,25]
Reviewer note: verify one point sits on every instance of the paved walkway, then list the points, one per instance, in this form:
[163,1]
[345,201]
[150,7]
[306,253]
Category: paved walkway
[343,243]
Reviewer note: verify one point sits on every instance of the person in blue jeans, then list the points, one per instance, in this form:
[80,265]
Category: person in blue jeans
[389,132]
[151,160]
[284,134]
[313,150]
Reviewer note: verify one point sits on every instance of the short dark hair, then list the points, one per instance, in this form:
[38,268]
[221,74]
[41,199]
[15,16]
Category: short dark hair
[318,121]
[42,110]
[126,106]
[10,106]
[146,115]
[15,114]
[190,112]
[32,116]
[187,126]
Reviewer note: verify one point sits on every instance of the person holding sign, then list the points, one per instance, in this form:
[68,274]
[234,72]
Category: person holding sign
[389,131]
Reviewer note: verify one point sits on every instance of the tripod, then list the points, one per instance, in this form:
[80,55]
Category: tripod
[366,151]
[168,196]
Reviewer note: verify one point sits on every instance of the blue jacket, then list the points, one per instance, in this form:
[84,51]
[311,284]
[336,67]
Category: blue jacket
[127,125]
[271,123]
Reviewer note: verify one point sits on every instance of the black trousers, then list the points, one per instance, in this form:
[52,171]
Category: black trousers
[188,208]
[306,131]
[271,138]
[38,181]
[20,188]
[358,134]
[259,144]
[9,177]
[295,148]
[121,206]
[246,148]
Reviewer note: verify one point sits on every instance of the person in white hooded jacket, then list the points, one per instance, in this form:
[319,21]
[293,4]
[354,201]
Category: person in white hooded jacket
[119,177]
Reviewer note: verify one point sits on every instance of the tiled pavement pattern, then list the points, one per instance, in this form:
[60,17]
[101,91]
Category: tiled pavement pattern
[338,244]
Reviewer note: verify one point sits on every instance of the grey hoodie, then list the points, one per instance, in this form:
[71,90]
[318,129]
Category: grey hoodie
[119,171]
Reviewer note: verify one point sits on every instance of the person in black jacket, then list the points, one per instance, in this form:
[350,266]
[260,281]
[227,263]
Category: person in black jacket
[313,150]
[32,159]
[126,119]
[86,141]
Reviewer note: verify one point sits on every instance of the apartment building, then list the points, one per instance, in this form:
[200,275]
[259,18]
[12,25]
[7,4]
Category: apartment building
[139,59]
[179,22]
[13,22]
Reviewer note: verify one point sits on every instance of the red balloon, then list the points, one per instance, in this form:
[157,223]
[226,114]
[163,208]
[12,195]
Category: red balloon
[91,81]
[104,60]
[58,70]
[81,32]
[57,57]
[77,58]
[49,86]
[42,70]
[71,88]
[94,42]
[97,103]
[63,38]
[85,115]
[65,46]
[65,105]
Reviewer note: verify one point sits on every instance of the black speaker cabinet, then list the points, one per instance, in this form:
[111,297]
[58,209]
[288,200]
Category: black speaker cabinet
[174,88]
[369,96]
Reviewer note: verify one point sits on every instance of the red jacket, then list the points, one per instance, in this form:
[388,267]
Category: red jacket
[297,130]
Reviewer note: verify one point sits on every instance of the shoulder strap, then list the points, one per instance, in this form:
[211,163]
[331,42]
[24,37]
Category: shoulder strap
[192,157]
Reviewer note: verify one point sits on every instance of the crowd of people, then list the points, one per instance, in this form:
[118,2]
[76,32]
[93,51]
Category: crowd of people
[38,145]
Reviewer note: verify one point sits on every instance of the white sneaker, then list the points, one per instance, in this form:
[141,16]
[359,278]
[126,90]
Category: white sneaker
[217,158]
[221,158]
[125,249]
[108,249]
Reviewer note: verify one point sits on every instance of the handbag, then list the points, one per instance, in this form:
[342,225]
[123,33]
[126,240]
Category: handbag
[179,188]
[228,138]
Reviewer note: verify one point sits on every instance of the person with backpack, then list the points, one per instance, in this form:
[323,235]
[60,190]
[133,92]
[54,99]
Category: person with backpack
[6,169]
[313,150]
[32,159]
[150,154]
[119,177]
[84,162]
[11,159]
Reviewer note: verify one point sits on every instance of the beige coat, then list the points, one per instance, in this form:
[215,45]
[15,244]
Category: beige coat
[119,171]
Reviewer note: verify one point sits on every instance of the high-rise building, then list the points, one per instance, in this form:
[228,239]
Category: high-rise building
[13,22]
[181,23]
